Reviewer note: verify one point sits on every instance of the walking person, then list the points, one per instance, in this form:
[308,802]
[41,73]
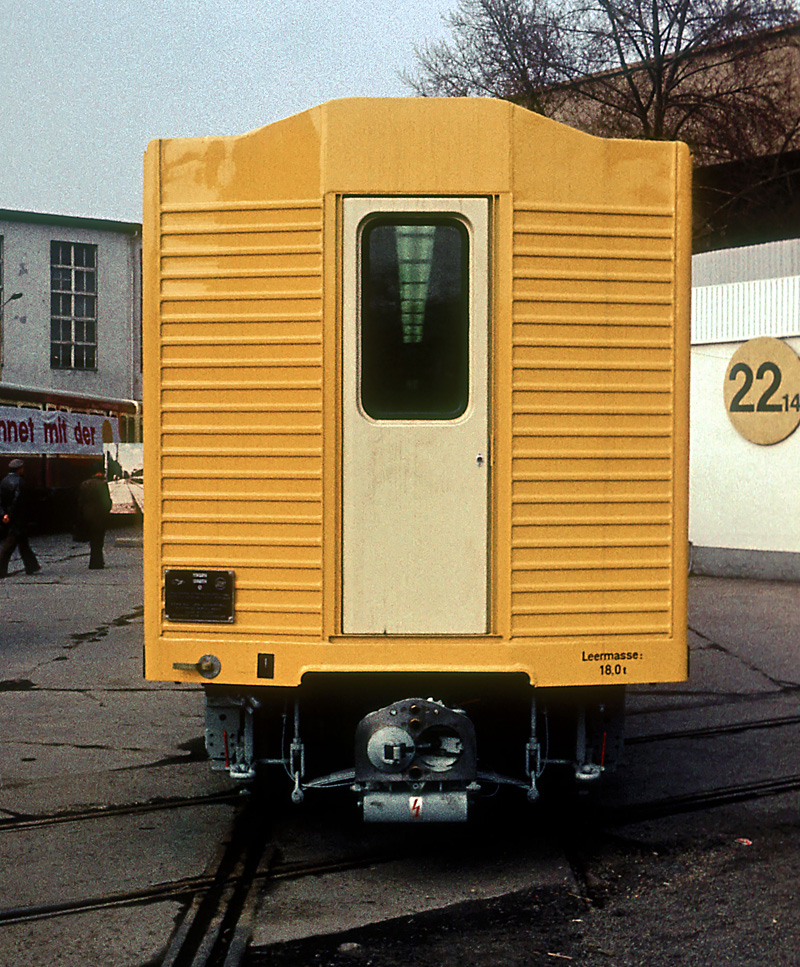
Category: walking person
[94,506]
[15,515]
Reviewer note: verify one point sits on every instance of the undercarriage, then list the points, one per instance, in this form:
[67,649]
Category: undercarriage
[415,759]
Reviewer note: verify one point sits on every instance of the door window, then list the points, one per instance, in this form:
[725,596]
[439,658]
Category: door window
[414,318]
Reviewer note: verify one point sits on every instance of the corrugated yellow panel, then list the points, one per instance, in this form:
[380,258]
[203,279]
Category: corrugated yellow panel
[593,421]
[241,432]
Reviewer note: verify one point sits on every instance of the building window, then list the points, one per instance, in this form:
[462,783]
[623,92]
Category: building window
[73,306]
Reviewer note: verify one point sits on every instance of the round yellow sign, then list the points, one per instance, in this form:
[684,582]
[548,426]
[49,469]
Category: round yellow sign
[762,390]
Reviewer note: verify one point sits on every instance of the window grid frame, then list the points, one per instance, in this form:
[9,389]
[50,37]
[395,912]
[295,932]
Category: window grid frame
[73,306]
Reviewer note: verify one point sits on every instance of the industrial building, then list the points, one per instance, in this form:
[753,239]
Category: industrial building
[70,343]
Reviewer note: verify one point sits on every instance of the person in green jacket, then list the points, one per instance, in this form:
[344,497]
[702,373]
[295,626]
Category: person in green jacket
[94,506]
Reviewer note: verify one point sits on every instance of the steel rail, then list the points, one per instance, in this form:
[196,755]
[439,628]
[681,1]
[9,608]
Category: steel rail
[160,891]
[17,823]
[197,886]
[242,867]
[624,815]
[712,730]
[216,927]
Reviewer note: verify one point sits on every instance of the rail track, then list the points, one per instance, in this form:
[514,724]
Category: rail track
[16,823]
[700,801]
[216,926]
[222,902]
[735,728]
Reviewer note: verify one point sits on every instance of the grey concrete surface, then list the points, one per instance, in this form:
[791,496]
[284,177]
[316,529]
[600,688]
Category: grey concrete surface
[131,937]
[709,886]
[82,729]
[337,902]
[728,562]
[102,856]
[744,667]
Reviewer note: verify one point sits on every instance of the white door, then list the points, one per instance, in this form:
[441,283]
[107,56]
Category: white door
[415,416]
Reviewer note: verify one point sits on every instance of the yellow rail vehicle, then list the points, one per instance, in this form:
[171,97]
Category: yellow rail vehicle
[416,443]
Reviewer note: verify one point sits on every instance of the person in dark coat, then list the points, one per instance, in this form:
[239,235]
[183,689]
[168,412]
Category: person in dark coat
[15,513]
[94,506]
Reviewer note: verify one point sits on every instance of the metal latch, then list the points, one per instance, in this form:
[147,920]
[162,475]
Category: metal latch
[209,666]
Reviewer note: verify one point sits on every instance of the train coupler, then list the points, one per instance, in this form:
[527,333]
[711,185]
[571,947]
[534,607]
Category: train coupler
[415,760]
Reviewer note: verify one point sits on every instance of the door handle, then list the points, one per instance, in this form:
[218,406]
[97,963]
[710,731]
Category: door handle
[209,666]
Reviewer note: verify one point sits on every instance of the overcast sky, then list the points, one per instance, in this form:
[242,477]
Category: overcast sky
[87,85]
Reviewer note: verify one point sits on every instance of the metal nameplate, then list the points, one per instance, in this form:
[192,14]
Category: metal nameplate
[199,596]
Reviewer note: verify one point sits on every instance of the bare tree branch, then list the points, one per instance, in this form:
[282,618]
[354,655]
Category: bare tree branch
[707,71]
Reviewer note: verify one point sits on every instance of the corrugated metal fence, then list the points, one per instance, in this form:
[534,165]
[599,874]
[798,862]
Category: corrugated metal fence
[744,310]
[743,293]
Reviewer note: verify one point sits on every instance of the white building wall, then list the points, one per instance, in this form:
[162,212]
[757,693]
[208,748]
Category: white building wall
[26,321]
[741,495]
[744,499]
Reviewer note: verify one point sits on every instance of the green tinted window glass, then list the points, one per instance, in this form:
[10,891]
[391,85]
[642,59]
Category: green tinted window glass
[414,318]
